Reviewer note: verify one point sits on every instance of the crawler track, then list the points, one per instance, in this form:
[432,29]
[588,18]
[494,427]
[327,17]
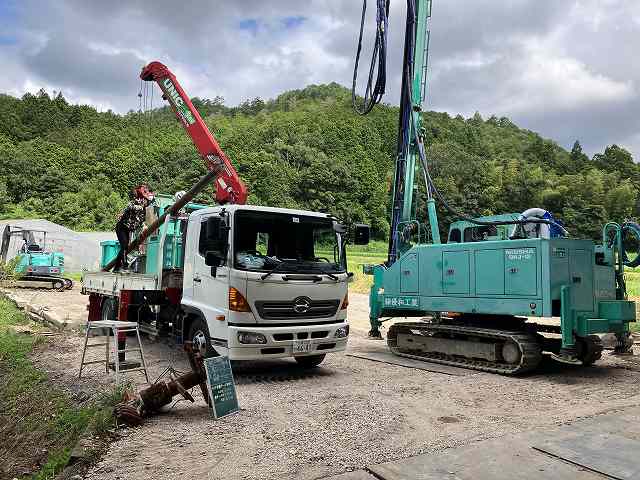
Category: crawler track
[29,281]
[528,345]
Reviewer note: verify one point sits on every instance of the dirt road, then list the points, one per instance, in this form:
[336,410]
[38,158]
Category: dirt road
[347,414]
[67,307]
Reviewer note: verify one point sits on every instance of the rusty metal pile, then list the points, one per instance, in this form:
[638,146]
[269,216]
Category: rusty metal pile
[150,400]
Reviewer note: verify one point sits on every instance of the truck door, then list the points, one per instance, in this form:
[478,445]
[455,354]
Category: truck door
[211,284]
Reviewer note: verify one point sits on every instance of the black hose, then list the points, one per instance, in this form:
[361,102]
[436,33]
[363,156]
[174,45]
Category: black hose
[634,229]
[373,93]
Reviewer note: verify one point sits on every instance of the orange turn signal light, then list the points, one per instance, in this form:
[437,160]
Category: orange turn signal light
[237,303]
[345,302]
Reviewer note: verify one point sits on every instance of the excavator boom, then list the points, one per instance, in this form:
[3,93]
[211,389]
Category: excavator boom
[229,187]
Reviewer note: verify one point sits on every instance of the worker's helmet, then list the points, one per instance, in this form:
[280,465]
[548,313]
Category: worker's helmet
[143,191]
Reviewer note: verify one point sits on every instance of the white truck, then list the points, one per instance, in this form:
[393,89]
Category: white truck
[239,280]
[243,281]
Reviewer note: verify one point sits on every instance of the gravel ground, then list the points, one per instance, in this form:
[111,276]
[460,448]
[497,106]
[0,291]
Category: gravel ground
[348,414]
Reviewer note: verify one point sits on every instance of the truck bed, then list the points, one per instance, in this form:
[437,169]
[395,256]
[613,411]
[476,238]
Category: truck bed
[110,283]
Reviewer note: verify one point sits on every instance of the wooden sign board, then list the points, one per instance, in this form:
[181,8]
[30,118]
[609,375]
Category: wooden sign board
[222,389]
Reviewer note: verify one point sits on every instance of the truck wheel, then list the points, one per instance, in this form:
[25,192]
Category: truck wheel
[109,309]
[58,285]
[200,338]
[311,361]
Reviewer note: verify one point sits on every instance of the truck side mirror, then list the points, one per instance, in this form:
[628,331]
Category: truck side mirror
[216,230]
[213,259]
[361,233]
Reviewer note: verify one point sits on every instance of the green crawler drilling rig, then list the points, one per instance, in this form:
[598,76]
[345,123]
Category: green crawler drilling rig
[480,292]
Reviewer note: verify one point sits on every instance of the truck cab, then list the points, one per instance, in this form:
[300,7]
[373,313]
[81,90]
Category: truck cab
[262,282]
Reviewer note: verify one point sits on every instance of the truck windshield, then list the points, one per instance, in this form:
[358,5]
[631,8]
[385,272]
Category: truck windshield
[293,243]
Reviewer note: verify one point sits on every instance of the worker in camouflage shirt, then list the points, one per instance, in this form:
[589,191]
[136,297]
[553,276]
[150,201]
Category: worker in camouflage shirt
[130,220]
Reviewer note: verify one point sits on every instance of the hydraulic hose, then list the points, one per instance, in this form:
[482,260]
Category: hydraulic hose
[373,92]
[632,229]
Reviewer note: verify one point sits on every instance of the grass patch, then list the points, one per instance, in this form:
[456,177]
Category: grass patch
[75,276]
[39,423]
[359,255]
[632,279]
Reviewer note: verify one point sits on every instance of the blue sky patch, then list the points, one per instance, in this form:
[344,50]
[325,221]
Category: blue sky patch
[293,22]
[249,25]
[8,10]
[252,25]
[7,40]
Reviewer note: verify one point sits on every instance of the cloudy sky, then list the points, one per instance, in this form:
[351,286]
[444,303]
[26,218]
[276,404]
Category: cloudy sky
[565,68]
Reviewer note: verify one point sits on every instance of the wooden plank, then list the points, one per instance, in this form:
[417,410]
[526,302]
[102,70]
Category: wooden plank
[506,458]
[390,358]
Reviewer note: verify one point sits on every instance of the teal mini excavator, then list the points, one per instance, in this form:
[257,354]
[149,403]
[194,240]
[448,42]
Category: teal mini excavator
[35,266]
[502,290]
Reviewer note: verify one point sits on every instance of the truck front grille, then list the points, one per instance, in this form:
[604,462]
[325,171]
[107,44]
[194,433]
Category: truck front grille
[286,311]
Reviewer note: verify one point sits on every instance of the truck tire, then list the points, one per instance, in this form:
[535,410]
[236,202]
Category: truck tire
[311,361]
[109,309]
[199,335]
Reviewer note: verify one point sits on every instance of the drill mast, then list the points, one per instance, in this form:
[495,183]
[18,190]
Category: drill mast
[410,132]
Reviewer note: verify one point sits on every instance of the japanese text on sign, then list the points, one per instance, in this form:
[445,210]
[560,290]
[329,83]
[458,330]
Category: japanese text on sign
[222,389]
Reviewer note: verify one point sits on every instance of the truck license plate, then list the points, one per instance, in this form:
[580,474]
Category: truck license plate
[301,346]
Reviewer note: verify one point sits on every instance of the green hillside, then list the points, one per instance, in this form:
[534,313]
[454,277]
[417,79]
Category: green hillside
[307,149]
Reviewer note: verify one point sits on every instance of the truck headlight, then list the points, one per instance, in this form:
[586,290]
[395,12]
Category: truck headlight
[342,332]
[251,338]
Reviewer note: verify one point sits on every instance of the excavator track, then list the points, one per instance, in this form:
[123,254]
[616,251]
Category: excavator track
[57,283]
[467,346]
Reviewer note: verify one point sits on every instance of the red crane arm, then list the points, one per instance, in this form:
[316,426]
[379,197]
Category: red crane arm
[229,187]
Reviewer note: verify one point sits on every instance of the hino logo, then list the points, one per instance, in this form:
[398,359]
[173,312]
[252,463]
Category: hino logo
[301,305]
[178,102]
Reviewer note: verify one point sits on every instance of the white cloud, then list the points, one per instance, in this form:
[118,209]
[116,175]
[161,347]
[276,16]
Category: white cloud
[561,82]
[566,69]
